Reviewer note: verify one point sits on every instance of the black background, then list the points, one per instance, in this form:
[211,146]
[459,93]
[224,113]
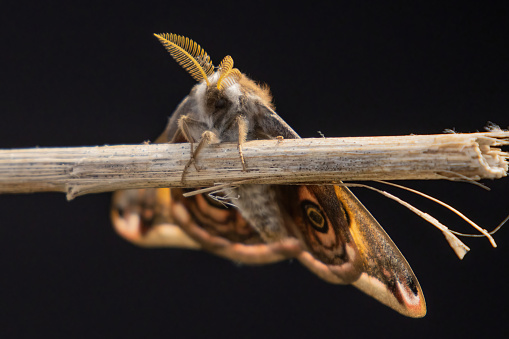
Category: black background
[78,75]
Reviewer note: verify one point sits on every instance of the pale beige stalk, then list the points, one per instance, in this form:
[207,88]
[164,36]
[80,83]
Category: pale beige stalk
[81,170]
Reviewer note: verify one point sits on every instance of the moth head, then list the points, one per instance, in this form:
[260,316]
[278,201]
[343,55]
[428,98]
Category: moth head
[220,87]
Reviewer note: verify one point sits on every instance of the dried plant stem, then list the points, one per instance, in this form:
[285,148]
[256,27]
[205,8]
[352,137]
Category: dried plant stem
[82,170]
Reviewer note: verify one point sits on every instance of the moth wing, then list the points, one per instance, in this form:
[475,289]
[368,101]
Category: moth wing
[171,133]
[160,217]
[143,217]
[223,231]
[356,250]
[270,125]
[387,276]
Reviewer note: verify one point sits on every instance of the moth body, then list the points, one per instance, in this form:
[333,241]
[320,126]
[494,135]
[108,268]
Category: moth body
[233,115]
[325,227]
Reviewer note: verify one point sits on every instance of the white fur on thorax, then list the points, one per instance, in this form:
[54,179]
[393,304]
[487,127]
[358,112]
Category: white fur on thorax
[233,93]
[201,90]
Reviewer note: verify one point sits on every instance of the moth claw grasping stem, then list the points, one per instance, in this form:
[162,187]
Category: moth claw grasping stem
[207,138]
[243,127]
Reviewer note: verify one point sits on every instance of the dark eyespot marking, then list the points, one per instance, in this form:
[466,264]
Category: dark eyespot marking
[315,217]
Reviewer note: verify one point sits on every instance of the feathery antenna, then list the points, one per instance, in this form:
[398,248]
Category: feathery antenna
[189,55]
[225,67]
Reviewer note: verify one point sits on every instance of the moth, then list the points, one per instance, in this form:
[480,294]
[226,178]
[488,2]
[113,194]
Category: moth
[325,227]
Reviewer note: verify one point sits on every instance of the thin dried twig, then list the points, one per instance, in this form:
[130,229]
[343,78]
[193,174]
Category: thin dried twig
[83,170]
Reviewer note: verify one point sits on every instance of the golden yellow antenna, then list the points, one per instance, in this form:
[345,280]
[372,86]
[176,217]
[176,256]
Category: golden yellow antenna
[230,79]
[224,68]
[189,55]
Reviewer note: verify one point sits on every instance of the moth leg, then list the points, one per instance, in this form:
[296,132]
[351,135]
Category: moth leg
[188,127]
[242,124]
[207,138]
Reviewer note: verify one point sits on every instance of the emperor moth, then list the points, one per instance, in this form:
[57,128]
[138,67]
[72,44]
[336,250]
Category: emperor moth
[325,227]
